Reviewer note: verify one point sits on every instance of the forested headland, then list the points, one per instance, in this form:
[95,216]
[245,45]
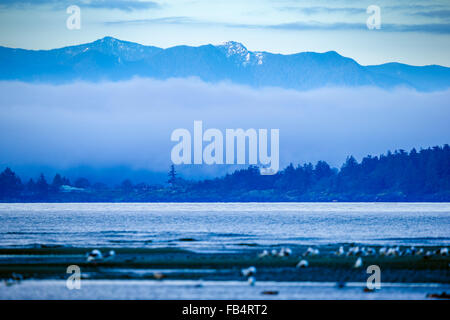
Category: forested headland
[395,176]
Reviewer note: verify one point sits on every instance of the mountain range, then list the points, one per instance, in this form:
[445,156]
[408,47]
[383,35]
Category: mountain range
[112,59]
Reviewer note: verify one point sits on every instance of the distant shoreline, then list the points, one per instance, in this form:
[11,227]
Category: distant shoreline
[415,176]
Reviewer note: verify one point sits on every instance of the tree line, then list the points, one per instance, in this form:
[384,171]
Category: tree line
[399,176]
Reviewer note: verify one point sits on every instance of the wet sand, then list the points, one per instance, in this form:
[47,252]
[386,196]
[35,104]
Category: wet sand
[216,290]
[180,264]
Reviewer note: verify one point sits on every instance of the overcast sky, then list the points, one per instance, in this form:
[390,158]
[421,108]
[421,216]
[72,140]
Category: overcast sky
[414,32]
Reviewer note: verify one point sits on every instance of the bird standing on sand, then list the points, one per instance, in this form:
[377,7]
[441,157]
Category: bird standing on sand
[312,252]
[391,252]
[263,254]
[302,264]
[285,252]
[250,271]
[354,251]
[358,263]
[110,255]
[94,255]
[159,276]
[340,252]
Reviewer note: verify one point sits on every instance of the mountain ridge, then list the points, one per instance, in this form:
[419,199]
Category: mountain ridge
[113,59]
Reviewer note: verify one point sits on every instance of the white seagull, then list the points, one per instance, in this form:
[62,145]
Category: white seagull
[263,254]
[110,255]
[340,252]
[284,252]
[94,255]
[249,271]
[302,264]
[358,263]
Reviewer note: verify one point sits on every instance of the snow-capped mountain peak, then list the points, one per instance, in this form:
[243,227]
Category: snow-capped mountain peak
[110,58]
[259,57]
[235,48]
[239,52]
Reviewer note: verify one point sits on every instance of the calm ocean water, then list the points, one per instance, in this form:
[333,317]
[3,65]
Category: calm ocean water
[218,226]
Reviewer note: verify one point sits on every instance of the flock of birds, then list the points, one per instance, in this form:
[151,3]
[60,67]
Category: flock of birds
[361,251]
[354,251]
[96,256]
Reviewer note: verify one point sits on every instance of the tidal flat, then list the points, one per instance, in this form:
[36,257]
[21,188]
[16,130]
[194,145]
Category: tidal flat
[176,264]
[199,251]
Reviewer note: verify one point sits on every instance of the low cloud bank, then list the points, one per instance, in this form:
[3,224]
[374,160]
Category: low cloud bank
[129,123]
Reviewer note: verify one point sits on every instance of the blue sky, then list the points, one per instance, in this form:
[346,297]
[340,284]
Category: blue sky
[414,32]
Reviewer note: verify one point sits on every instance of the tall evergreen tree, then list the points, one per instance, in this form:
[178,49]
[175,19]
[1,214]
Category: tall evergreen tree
[172,176]
[10,184]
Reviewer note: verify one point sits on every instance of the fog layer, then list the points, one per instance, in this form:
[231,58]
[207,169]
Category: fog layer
[104,125]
